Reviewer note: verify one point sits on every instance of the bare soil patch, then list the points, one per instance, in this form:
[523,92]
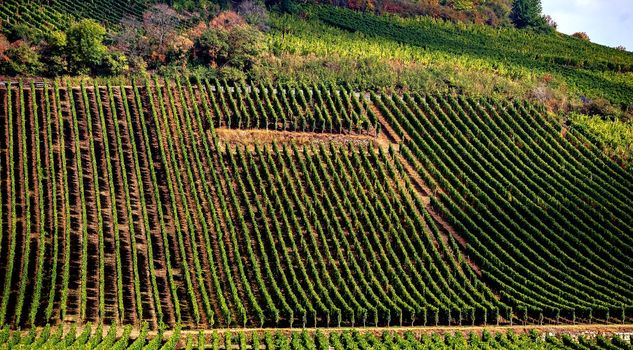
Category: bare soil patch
[252,137]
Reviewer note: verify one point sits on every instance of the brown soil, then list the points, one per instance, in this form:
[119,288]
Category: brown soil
[387,130]
[446,228]
[252,137]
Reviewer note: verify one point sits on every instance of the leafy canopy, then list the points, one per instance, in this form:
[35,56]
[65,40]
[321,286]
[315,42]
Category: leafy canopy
[527,14]
[85,46]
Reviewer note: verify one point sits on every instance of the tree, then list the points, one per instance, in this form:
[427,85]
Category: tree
[130,39]
[85,48]
[581,36]
[245,46]
[229,42]
[527,14]
[227,20]
[160,23]
[212,47]
[54,52]
[254,13]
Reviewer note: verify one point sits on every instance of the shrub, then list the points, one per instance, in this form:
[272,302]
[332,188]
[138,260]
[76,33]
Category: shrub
[232,74]
[600,106]
[22,59]
[54,53]
[233,44]
[114,63]
[549,21]
[85,48]
[227,20]
[581,36]
[255,14]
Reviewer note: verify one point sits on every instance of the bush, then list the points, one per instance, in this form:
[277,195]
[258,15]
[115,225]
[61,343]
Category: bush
[232,74]
[581,36]
[85,48]
[22,59]
[255,14]
[550,22]
[229,43]
[114,63]
[54,53]
[601,107]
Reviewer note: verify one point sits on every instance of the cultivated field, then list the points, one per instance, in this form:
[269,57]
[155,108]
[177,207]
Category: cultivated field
[213,205]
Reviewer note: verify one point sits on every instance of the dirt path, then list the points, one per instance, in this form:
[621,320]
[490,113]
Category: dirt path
[387,130]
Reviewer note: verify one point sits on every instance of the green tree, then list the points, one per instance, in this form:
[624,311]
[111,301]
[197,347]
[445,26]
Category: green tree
[54,53]
[463,5]
[85,47]
[527,14]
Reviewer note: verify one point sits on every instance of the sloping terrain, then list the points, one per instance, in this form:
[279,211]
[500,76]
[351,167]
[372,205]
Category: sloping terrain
[125,204]
[428,55]
[44,16]
[120,338]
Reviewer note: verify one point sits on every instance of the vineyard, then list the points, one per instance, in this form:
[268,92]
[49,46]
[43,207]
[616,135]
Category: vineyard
[44,16]
[131,205]
[589,69]
[122,338]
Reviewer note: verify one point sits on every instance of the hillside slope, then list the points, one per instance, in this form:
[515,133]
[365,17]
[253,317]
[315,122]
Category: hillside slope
[332,169]
[428,54]
[56,14]
[424,210]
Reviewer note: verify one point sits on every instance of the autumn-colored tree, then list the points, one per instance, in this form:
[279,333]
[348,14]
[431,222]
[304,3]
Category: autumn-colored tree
[22,59]
[196,31]
[227,20]
[229,42]
[160,23]
[4,46]
[179,49]
[130,39]
[581,36]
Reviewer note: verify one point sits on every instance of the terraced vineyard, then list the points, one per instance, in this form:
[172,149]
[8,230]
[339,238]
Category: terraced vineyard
[49,15]
[58,338]
[129,205]
[544,214]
